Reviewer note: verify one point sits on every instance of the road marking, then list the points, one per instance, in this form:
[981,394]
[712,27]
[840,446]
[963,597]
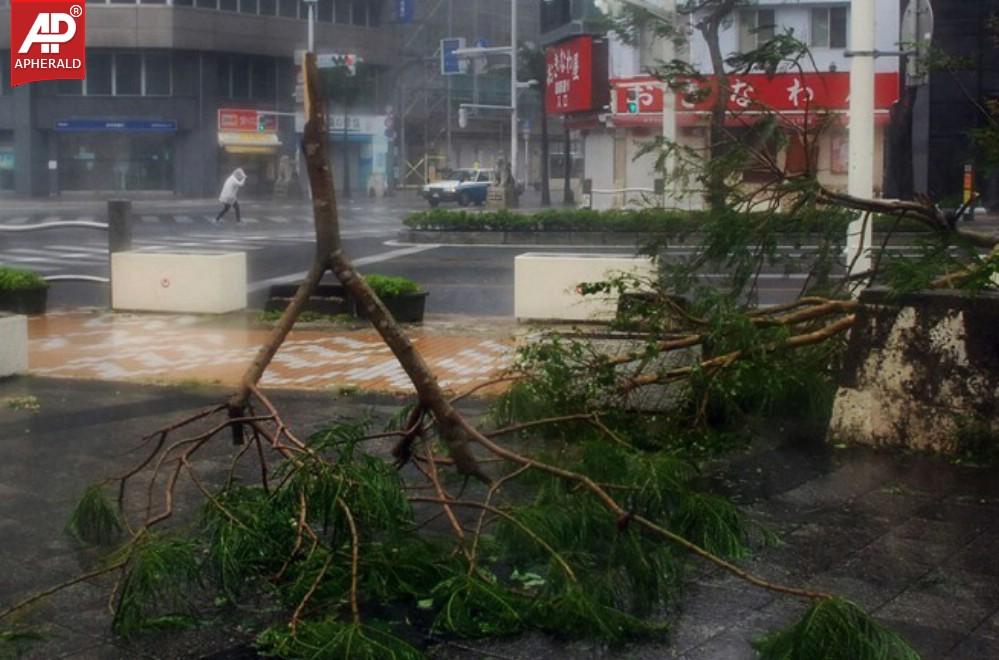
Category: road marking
[363,261]
[19,220]
[37,263]
[280,219]
[80,248]
[183,219]
[149,219]
[55,256]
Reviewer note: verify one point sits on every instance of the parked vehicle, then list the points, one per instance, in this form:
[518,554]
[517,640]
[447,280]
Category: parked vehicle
[465,186]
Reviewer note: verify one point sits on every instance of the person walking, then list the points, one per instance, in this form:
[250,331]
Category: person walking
[230,193]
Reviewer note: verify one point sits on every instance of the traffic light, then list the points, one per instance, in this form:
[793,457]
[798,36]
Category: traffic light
[261,122]
[462,117]
[633,93]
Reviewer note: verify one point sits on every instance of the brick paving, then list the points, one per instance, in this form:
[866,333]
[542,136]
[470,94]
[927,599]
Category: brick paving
[182,349]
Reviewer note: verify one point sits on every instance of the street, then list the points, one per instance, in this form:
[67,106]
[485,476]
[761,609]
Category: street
[278,240]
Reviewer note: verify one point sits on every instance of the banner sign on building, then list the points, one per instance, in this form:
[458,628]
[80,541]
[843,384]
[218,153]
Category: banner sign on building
[569,71]
[239,120]
[115,125]
[783,92]
[47,41]
[404,11]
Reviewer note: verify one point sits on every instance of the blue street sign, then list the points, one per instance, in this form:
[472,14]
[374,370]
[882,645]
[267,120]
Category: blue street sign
[451,64]
[404,11]
[116,125]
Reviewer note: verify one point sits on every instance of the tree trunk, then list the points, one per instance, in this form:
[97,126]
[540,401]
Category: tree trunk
[546,194]
[567,197]
[716,195]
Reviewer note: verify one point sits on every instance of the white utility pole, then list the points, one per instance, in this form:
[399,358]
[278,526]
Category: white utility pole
[513,88]
[861,129]
[665,11]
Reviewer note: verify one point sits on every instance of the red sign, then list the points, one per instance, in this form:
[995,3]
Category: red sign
[569,67]
[47,41]
[237,120]
[757,92]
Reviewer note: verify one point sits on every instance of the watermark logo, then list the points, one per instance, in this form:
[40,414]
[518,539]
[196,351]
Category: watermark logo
[48,40]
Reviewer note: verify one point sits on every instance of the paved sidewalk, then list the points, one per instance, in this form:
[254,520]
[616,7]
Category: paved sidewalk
[184,349]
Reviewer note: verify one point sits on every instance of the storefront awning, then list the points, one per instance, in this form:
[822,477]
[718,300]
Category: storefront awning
[249,143]
[688,119]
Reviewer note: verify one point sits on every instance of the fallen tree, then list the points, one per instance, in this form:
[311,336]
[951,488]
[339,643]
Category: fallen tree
[572,523]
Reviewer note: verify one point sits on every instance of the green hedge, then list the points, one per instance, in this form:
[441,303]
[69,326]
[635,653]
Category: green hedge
[388,286]
[15,279]
[637,220]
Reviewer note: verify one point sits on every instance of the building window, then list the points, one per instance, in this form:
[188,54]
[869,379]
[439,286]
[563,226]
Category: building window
[756,27]
[240,78]
[264,82]
[206,4]
[374,15]
[359,13]
[555,14]
[829,27]
[289,8]
[343,12]
[157,74]
[127,74]
[268,7]
[98,82]
[248,6]
[324,11]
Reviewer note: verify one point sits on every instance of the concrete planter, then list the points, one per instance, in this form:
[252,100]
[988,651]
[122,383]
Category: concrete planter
[182,282]
[24,301]
[545,284]
[13,344]
[329,299]
[409,308]
[919,368]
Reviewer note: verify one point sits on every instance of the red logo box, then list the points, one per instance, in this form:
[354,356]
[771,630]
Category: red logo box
[47,41]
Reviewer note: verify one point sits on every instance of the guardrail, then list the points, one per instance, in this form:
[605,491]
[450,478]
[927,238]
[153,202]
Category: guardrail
[118,228]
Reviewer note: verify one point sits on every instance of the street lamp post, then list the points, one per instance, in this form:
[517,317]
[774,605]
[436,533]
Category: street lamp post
[860,181]
[311,4]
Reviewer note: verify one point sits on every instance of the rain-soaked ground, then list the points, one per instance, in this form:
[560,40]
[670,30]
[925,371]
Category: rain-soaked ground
[913,539]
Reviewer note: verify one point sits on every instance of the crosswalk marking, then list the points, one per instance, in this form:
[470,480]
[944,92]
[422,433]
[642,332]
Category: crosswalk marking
[62,254]
[184,219]
[150,219]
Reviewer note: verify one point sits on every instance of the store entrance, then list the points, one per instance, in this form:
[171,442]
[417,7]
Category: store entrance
[115,161]
[260,168]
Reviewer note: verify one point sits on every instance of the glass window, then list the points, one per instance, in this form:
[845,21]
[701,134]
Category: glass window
[183,3]
[98,74]
[224,77]
[227,5]
[206,4]
[288,8]
[157,74]
[115,161]
[324,11]
[756,27]
[240,78]
[820,28]
[248,6]
[70,87]
[359,12]
[268,7]
[837,27]
[153,2]
[343,12]
[374,15]
[555,14]
[264,87]
[127,74]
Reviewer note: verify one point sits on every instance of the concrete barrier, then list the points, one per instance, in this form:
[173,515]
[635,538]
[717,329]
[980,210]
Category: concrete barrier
[13,344]
[188,282]
[545,284]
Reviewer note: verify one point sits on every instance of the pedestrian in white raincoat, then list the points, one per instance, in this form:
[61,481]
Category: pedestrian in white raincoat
[230,191]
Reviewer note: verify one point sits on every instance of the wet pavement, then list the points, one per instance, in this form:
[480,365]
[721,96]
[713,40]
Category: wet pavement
[913,539]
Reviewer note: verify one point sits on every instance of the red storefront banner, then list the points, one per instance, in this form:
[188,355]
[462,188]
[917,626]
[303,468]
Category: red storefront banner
[238,120]
[757,92]
[569,69]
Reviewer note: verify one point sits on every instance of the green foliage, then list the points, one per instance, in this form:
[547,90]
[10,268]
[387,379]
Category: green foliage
[388,286]
[835,629]
[977,443]
[330,639]
[16,641]
[95,519]
[16,279]
[473,606]
[163,574]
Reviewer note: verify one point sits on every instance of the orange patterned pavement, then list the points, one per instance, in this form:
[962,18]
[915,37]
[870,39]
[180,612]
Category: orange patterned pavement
[183,348]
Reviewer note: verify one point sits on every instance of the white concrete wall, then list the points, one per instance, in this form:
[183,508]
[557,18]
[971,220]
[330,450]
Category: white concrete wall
[205,282]
[598,165]
[13,344]
[545,284]
[796,15]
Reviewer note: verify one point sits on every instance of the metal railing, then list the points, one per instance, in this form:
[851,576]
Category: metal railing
[118,228]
